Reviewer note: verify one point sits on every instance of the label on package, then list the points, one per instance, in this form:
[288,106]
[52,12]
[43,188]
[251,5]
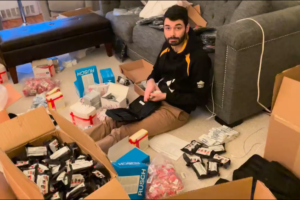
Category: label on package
[59,153]
[80,165]
[217,148]
[212,166]
[194,159]
[81,157]
[36,151]
[82,185]
[30,174]
[41,168]
[149,180]
[21,163]
[76,180]
[200,168]
[204,151]
[55,196]
[98,174]
[221,158]
[55,168]
[43,183]
[53,145]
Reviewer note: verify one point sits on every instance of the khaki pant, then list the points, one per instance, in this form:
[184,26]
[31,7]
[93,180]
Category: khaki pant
[165,119]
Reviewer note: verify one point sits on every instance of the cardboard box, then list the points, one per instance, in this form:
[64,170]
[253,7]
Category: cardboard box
[195,17]
[120,94]
[137,71]
[72,13]
[240,189]
[16,133]
[84,78]
[107,76]
[293,73]
[43,68]
[283,140]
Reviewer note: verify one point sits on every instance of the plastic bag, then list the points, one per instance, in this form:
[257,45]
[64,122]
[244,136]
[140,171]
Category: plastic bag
[35,86]
[39,100]
[163,181]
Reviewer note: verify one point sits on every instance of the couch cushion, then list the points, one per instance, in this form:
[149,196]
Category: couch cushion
[250,9]
[148,39]
[279,5]
[216,12]
[123,25]
[130,4]
[62,6]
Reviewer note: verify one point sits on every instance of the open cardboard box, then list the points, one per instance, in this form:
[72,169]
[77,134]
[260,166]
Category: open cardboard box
[283,139]
[119,92]
[35,127]
[137,71]
[72,13]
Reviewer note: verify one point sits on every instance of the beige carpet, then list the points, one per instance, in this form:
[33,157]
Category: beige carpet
[251,140]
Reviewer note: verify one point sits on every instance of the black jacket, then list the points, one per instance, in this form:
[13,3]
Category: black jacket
[183,75]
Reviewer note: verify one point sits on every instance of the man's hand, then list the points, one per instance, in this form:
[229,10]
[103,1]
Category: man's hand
[158,96]
[151,87]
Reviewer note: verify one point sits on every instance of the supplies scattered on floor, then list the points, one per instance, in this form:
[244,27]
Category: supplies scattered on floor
[163,181]
[107,76]
[39,100]
[61,171]
[84,78]
[33,86]
[55,99]
[116,97]
[217,136]
[3,74]
[140,139]
[43,68]
[83,115]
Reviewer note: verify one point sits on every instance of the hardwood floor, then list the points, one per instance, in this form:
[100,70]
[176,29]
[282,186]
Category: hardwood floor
[17,22]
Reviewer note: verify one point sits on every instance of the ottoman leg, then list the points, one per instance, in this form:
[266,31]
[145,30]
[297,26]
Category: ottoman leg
[109,49]
[13,74]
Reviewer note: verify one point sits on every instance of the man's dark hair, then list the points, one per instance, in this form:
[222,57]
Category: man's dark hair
[177,12]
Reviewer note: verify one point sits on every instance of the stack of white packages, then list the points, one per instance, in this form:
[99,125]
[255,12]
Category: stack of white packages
[217,136]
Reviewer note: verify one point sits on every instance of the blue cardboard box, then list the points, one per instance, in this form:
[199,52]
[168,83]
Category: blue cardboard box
[84,77]
[133,178]
[107,76]
[135,155]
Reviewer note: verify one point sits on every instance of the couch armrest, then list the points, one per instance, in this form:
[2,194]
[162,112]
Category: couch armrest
[237,56]
[45,9]
[244,34]
[108,5]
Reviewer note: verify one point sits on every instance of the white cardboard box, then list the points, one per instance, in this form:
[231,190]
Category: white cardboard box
[119,92]
[43,68]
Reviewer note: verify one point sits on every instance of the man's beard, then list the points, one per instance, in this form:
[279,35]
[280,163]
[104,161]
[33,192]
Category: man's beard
[178,40]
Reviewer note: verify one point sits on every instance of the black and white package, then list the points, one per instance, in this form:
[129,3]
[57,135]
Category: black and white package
[76,152]
[223,161]
[192,147]
[80,166]
[76,192]
[23,164]
[62,154]
[76,180]
[101,172]
[204,152]
[212,169]
[53,145]
[218,149]
[43,183]
[41,168]
[200,170]
[36,152]
[31,173]
[191,159]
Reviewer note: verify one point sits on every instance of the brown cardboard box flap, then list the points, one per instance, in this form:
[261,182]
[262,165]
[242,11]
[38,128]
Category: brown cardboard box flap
[293,73]
[287,105]
[111,190]
[196,17]
[21,185]
[262,192]
[80,11]
[5,190]
[197,8]
[24,128]
[137,71]
[83,139]
[240,189]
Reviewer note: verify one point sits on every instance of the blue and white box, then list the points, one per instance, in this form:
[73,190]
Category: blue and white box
[84,78]
[107,76]
[135,155]
[133,178]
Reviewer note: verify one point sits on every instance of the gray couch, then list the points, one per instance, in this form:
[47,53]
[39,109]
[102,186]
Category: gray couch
[238,48]
[51,9]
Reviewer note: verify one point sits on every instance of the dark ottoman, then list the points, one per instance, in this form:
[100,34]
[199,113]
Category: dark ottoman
[24,44]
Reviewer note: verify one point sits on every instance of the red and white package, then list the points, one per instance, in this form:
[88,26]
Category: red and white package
[34,86]
[163,181]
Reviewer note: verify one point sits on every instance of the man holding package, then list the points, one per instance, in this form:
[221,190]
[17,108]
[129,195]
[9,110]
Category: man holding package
[182,73]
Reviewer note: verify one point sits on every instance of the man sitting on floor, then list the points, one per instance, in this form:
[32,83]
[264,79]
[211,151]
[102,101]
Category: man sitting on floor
[182,73]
